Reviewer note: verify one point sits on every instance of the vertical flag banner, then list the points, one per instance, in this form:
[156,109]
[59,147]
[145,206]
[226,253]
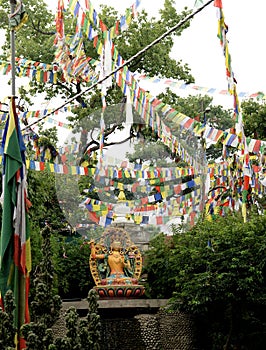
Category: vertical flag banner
[59,23]
[19,17]
[15,254]
[239,126]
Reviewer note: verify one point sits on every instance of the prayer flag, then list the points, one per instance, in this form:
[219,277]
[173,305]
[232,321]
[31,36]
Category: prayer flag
[59,20]
[218,3]
[19,17]
[15,256]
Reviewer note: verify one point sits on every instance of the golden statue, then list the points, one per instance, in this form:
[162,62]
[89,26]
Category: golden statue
[116,264]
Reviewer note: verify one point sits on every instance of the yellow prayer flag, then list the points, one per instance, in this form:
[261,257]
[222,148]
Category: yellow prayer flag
[96,207]
[104,212]
[137,219]
[73,170]
[120,186]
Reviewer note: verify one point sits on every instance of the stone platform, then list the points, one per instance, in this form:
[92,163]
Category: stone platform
[116,306]
[136,324]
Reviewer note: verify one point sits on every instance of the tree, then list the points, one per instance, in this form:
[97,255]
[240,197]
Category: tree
[152,152]
[45,304]
[44,206]
[254,117]
[157,266]
[40,28]
[45,308]
[73,277]
[81,333]
[200,108]
[218,268]
[7,329]
[87,113]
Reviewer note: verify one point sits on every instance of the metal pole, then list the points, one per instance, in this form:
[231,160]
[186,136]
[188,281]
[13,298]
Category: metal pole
[203,144]
[12,48]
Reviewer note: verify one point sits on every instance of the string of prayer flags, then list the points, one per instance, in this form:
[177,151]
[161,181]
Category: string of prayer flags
[92,25]
[162,192]
[207,90]
[218,172]
[184,204]
[23,62]
[144,104]
[43,112]
[40,114]
[41,72]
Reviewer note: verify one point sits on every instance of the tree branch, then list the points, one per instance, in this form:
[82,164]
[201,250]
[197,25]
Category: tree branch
[38,30]
[97,145]
[78,88]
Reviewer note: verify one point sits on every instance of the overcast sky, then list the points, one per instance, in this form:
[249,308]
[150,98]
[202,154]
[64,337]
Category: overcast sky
[199,46]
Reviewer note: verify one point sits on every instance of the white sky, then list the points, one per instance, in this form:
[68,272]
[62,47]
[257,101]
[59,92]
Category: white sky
[200,48]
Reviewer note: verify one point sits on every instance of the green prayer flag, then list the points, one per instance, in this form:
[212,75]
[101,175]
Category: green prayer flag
[15,258]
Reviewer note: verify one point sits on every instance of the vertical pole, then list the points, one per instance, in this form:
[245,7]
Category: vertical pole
[12,48]
[203,144]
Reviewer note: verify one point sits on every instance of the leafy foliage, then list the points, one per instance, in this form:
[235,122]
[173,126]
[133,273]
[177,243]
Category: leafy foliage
[81,333]
[72,267]
[7,330]
[200,108]
[161,276]
[39,30]
[219,254]
[45,304]
[45,307]
[217,272]
[254,116]
[157,60]
[42,194]
[153,152]
[45,207]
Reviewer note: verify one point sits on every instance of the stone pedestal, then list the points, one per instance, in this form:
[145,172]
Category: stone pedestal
[137,324]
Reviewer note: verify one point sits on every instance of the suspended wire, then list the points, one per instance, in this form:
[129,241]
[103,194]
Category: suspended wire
[139,53]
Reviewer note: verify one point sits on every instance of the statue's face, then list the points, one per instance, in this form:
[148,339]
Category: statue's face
[116,245]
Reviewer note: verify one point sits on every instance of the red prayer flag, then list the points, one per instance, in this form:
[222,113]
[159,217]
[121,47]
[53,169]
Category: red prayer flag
[159,220]
[218,3]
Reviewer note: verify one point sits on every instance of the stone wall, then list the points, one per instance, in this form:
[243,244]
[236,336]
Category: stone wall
[160,331]
[121,333]
[177,331]
[141,329]
[150,331]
